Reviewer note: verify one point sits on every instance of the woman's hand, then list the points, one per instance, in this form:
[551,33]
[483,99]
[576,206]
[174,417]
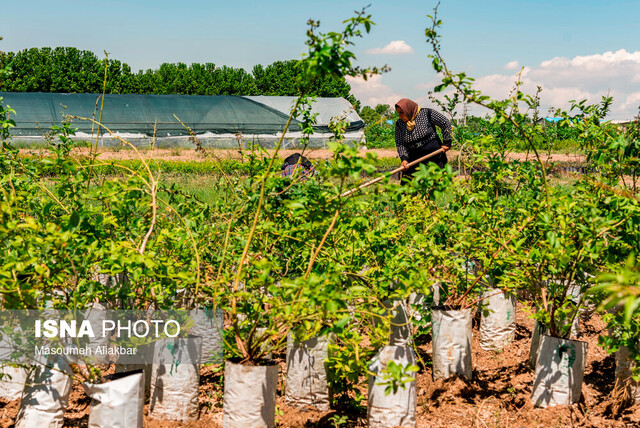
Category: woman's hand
[445,148]
[404,164]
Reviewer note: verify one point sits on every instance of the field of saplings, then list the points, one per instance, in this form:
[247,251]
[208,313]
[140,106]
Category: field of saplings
[496,295]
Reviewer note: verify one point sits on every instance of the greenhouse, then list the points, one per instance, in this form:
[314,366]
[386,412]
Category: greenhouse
[217,121]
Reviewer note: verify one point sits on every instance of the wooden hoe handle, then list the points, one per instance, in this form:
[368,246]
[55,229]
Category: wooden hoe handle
[389,174]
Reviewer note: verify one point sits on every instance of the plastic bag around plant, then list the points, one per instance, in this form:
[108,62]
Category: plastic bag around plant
[575,295]
[175,379]
[559,372]
[249,395]
[418,306]
[209,324]
[497,319]
[419,313]
[451,330]
[46,395]
[117,403]
[96,315]
[400,326]
[307,383]
[575,290]
[395,409]
[536,334]
[147,369]
[436,294]
[626,387]
[12,380]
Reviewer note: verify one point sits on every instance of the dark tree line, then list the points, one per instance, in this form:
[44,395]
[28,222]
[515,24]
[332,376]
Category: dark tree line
[70,70]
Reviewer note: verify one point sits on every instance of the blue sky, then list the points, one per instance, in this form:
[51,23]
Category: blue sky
[562,44]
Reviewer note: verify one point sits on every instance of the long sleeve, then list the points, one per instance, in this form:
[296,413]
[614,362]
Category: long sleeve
[402,149]
[439,120]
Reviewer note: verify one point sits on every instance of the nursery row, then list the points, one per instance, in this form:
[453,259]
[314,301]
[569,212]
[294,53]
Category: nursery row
[324,275]
[170,387]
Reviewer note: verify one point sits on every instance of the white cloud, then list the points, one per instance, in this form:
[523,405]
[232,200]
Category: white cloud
[396,47]
[512,65]
[590,77]
[632,102]
[372,91]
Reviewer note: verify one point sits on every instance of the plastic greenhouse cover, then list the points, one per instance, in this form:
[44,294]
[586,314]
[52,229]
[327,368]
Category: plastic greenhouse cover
[142,114]
[326,108]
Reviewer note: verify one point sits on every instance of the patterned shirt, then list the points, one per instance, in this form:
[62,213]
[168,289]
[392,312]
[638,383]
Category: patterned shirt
[290,170]
[423,132]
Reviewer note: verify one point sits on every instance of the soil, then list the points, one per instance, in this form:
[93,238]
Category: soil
[179,154]
[498,395]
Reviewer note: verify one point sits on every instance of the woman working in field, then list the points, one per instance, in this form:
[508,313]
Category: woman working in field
[416,135]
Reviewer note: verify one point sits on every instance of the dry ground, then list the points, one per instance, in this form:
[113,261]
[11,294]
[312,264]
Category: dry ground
[193,155]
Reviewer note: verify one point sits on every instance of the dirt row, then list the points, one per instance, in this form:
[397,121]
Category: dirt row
[179,154]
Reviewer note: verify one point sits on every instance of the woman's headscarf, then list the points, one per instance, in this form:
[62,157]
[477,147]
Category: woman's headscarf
[411,109]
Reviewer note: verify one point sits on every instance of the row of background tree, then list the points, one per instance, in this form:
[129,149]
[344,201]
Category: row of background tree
[70,70]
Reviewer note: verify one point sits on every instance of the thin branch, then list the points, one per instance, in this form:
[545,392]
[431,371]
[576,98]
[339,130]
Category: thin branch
[324,238]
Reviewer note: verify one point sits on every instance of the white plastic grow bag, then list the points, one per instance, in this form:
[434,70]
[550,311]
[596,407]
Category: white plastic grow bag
[497,319]
[625,384]
[418,306]
[12,379]
[174,380]
[400,326]
[249,395]
[307,383]
[12,382]
[45,396]
[147,372]
[147,369]
[576,296]
[396,409]
[118,403]
[436,294]
[536,334]
[451,330]
[96,315]
[559,372]
[209,324]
